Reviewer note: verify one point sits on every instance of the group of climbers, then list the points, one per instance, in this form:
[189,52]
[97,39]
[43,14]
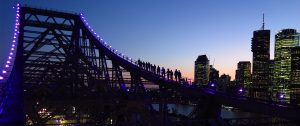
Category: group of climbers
[160,71]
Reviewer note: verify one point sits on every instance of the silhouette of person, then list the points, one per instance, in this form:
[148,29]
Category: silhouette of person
[179,75]
[163,72]
[171,75]
[139,63]
[154,69]
[168,73]
[158,70]
[143,65]
[176,75]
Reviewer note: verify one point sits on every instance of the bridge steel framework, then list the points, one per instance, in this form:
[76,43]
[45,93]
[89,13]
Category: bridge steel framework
[60,69]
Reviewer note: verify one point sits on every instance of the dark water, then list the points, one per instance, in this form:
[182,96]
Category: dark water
[226,113]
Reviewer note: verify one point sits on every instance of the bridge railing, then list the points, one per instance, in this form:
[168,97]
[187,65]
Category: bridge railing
[5,86]
[105,44]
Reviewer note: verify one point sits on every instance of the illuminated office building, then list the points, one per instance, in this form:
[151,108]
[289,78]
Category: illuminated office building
[243,73]
[261,56]
[295,65]
[260,48]
[271,71]
[295,75]
[201,70]
[285,40]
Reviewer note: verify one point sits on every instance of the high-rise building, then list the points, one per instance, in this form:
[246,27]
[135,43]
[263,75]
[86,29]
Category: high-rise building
[201,70]
[271,71]
[261,56]
[295,65]
[295,76]
[285,40]
[213,74]
[243,73]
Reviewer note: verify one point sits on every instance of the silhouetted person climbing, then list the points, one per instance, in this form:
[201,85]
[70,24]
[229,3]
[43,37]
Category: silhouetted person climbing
[179,75]
[163,72]
[171,75]
[176,75]
[158,70]
[168,73]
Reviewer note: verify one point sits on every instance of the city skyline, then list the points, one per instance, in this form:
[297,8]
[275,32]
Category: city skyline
[173,34]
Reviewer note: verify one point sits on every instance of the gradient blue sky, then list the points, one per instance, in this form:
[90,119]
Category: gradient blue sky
[172,33]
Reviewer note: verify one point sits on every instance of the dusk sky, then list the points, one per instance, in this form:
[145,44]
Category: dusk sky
[172,33]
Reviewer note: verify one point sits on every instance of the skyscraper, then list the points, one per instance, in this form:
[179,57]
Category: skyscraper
[295,76]
[243,73]
[201,70]
[271,71]
[285,40]
[261,57]
[295,65]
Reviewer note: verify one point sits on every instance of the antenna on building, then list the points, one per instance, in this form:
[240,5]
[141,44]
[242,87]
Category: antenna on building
[263,26]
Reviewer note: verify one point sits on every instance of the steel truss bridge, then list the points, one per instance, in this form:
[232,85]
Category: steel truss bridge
[59,70]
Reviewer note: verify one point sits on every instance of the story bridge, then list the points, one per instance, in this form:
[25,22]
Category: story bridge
[59,68]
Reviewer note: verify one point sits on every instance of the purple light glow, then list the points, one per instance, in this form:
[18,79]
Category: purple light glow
[11,53]
[13,45]
[4,72]
[9,57]
[281,96]
[241,90]
[1,78]
[212,85]
[6,66]
[8,62]
[12,49]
